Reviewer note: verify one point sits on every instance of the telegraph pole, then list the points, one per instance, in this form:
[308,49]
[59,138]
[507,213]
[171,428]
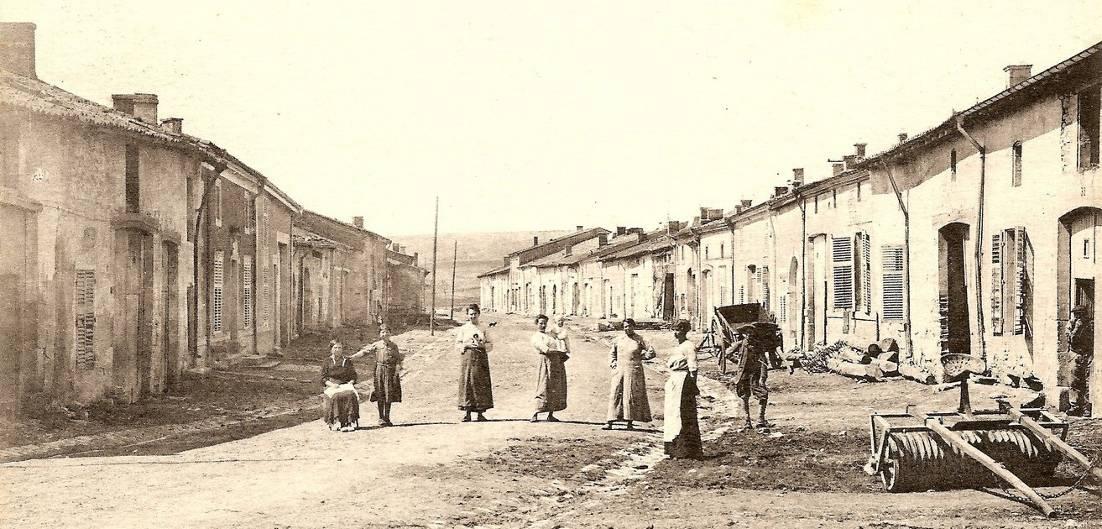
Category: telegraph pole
[455,258]
[435,227]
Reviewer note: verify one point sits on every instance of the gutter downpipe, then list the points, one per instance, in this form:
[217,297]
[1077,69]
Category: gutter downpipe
[208,184]
[979,238]
[801,200]
[906,258]
[699,280]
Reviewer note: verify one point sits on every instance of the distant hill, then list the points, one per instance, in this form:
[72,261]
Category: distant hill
[478,253]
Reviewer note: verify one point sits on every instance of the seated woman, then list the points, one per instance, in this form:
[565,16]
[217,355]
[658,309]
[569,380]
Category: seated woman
[340,405]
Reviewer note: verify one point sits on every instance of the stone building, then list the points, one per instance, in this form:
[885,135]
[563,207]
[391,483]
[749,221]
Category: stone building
[405,286]
[97,250]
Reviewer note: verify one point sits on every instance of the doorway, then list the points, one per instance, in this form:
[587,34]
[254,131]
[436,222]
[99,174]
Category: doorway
[1078,270]
[12,283]
[792,308]
[817,291]
[169,336]
[953,310]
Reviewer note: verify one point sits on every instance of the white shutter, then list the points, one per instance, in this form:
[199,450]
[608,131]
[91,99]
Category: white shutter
[217,283]
[1023,307]
[843,272]
[866,271]
[996,284]
[892,281]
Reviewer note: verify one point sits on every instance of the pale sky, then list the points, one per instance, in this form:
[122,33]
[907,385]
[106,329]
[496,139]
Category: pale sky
[546,115]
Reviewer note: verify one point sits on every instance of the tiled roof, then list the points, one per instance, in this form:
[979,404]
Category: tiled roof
[654,242]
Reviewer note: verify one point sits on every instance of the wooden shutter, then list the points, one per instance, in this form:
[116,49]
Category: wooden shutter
[85,319]
[763,280]
[996,284]
[892,281]
[217,283]
[843,272]
[1023,306]
[247,289]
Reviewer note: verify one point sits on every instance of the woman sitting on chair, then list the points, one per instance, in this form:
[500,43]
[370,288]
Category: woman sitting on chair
[340,403]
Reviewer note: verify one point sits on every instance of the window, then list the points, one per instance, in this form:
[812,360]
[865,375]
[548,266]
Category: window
[247,290]
[218,203]
[953,164]
[1016,164]
[842,256]
[216,291]
[1086,248]
[705,252]
[834,198]
[858,191]
[1089,108]
[85,319]
[722,251]
[892,281]
[132,196]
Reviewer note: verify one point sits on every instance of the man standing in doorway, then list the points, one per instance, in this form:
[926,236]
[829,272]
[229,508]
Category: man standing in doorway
[1081,339]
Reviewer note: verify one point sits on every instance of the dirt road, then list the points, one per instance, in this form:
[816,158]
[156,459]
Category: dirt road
[432,471]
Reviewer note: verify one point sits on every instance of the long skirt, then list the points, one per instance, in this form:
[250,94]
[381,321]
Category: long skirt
[627,399]
[388,387]
[551,383]
[342,408]
[682,429]
[475,389]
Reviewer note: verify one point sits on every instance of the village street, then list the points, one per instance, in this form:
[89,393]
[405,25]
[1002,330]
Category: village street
[431,471]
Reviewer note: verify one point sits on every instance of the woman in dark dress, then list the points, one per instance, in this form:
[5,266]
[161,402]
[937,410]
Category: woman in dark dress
[388,371]
[340,402]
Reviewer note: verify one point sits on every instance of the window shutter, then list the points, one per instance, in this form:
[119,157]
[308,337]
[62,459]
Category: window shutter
[763,280]
[996,284]
[741,294]
[892,280]
[783,302]
[217,283]
[1023,308]
[247,289]
[843,272]
[85,319]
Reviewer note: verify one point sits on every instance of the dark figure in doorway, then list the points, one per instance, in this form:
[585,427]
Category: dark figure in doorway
[1081,339]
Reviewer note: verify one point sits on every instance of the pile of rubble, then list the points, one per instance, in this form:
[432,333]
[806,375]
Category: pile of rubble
[875,362]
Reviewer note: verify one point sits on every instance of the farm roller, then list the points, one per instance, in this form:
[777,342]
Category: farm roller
[967,449]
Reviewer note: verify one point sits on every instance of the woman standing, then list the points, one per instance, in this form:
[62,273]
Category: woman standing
[475,389]
[340,402]
[388,373]
[551,377]
[627,400]
[681,431]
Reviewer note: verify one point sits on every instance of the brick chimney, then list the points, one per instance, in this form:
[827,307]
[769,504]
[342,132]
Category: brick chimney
[746,203]
[779,191]
[535,240]
[797,177]
[141,106]
[173,125]
[849,161]
[620,230]
[17,48]
[838,168]
[859,150]
[902,137]
[579,227]
[1017,73]
[358,222]
[602,240]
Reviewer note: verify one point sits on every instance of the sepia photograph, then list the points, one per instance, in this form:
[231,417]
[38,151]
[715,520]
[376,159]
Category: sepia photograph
[805,264]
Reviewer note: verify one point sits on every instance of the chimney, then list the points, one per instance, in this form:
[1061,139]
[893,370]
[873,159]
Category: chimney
[141,106]
[849,161]
[780,191]
[739,208]
[535,240]
[17,48]
[358,222]
[859,149]
[620,230]
[797,177]
[902,137]
[1017,73]
[416,258]
[602,240]
[747,203]
[838,168]
[579,227]
[173,125]
[638,231]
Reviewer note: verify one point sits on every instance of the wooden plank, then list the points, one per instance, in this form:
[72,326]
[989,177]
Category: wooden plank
[1055,443]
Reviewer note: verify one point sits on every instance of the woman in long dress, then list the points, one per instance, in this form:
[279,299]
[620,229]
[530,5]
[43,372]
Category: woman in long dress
[340,402]
[475,388]
[681,431]
[388,373]
[627,400]
[551,377]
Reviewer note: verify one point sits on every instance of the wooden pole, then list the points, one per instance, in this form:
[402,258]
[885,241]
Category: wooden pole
[1054,442]
[960,445]
[455,259]
[435,227]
